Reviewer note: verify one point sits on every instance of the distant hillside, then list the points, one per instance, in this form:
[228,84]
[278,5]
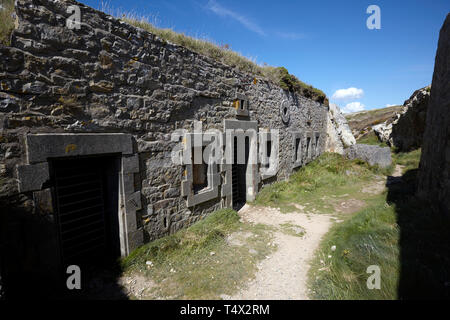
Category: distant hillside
[361,122]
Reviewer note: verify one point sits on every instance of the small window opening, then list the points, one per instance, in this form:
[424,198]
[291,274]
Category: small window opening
[268,154]
[317,144]
[297,147]
[199,173]
[308,144]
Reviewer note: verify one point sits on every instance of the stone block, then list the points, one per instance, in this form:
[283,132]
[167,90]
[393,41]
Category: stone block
[374,155]
[32,177]
[40,147]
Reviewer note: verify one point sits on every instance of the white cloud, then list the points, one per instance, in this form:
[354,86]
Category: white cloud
[391,105]
[353,107]
[224,12]
[348,94]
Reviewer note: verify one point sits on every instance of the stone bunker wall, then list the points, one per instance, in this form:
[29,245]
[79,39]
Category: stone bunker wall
[110,77]
[434,173]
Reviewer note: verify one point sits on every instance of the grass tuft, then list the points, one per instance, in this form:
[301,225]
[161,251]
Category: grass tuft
[198,262]
[370,237]
[403,235]
[331,173]
[6,21]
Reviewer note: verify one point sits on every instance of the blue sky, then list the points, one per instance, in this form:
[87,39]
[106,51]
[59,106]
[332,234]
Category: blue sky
[324,43]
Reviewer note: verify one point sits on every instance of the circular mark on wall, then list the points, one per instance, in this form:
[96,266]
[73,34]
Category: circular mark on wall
[285,111]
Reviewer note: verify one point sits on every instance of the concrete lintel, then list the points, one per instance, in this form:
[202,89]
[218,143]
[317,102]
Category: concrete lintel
[32,177]
[241,96]
[40,147]
[238,124]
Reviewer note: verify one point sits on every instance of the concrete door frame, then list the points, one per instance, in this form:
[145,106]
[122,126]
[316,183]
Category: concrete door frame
[247,128]
[34,175]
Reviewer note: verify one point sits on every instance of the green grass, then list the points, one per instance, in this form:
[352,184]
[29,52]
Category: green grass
[372,139]
[370,237]
[401,234]
[292,230]
[330,174]
[410,160]
[6,21]
[197,262]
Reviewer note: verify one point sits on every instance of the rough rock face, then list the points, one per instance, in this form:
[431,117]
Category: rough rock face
[406,131]
[434,174]
[339,135]
[384,132]
[374,155]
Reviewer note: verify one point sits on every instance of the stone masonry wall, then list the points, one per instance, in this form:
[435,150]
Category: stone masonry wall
[110,77]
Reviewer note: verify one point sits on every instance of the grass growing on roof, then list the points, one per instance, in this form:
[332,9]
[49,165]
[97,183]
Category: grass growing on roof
[224,54]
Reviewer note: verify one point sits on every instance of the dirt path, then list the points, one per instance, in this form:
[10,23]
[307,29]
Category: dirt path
[283,274]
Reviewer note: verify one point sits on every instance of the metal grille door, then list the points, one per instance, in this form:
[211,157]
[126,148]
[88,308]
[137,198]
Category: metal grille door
[238,172]
[80,200]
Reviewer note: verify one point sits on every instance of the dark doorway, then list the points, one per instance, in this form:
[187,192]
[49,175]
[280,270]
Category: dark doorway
[82,229]
[86,202]
[86,195]
[239,185]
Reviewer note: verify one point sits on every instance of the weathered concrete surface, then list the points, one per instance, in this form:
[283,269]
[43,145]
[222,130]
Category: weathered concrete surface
[40,147]
[374,155]
[32,177]
[434,174]
[339,135]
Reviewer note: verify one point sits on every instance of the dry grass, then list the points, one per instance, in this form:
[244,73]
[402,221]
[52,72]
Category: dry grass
[222,53]
[198,262]
[6,21]
[363,121]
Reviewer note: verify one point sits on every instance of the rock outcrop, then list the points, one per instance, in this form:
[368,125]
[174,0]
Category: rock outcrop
[405,133]
[362,122]
[434,174]
[384,131]
[339,135]
[374,155]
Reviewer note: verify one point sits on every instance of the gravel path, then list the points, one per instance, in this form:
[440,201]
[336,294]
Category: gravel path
[283,275]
